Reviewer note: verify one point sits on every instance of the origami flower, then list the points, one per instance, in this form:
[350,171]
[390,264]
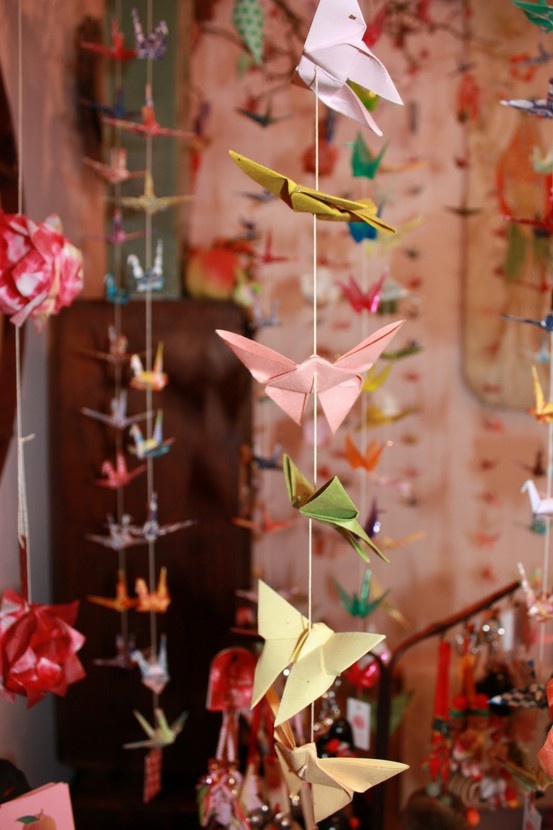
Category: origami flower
[40,270]
[38,647]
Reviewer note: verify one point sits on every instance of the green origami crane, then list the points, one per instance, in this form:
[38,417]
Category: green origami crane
[359,605]
[363,162]
[539,13]
[331,505]
[248,19]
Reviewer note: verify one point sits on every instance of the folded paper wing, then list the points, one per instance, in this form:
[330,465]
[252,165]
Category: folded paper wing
[333,780]
[305,199]
[289,384]
[317,654]
[331,505]
[334,53]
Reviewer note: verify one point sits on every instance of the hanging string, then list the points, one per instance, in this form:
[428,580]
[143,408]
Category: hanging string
[22,507]
[149,355]
[118,329]
[315,429]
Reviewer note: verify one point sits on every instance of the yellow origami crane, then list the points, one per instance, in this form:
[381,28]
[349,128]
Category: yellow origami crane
[304,199]
[542,409]
[316,653]
[333,780]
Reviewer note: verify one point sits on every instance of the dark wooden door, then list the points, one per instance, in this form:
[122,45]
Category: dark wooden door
[207,409]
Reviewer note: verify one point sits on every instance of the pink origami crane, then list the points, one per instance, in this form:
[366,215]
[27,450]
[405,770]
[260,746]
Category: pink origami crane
[38,648]
[335,56]
[288,384]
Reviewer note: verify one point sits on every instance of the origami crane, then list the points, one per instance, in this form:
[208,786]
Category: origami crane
[305,199]
[269,462]
[151,530]
[117,109]
[118,345]
[364,163]
[122,601]
[376,416]
[359,605]
[122,658]
[335,59]
[540,507]
[248,19]
[118,236]
[267,257]
[149,126]
[539,607]
[119,536]
[266,524]
[317,654]
[333,780]
[410,348]
[155,378]
[263,119]
[542,409]
[152,279]
[118,417]
[114,294]
[116,51]
[157,601]
[360,299]
[331,505]
[539,13]
[542,107]
[162,734]
[374,380]
[154,670]
[120,475]
[149,202]
[150,447]
[116,171]
[368,459]
[288,384]
[153,45]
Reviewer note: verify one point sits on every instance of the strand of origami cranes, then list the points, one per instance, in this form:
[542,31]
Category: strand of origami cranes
[152,594]
[317,654]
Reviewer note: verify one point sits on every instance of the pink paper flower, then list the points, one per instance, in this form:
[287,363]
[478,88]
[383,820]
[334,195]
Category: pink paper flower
[40,270]
[38,648]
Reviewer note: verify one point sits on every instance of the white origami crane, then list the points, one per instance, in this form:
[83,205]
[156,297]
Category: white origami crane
[334,56]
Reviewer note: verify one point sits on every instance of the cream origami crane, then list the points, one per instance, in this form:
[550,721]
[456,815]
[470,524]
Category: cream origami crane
[333,780]
[335,56]
[318,654]
[289,384]
[303,199]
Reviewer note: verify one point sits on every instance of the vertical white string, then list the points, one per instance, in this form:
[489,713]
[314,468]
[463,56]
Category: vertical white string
[22,507]
[315,430]
[149,353]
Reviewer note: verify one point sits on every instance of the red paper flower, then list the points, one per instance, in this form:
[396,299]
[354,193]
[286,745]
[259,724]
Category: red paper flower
[40,270]
[38,647]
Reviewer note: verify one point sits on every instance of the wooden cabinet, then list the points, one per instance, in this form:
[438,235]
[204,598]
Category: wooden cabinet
[207,409]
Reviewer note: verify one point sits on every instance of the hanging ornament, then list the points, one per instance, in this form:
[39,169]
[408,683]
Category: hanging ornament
[38,648]
[40,270]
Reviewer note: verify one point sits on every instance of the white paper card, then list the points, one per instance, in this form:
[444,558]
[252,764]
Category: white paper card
[359,717]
